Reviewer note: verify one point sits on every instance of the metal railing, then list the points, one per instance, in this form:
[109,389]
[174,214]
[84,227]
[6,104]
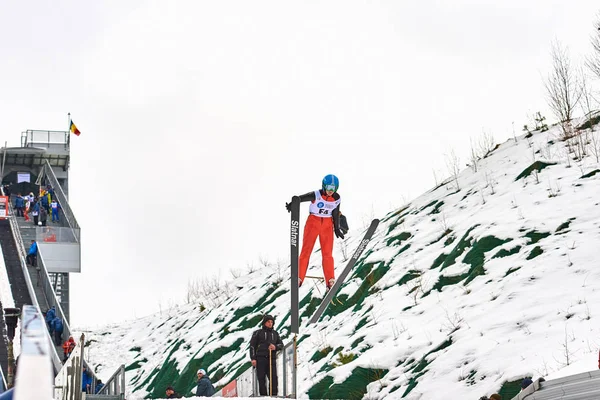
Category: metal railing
[115,385]
[3,384]
[31,137]
[247,382]
[47,287]
[60,194]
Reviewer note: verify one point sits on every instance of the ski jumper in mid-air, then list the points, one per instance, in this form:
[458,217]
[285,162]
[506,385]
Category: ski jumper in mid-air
[324,222]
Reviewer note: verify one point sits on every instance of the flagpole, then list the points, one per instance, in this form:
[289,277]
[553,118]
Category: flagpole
[69,131]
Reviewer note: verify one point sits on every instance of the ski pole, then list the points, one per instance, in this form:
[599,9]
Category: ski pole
[270,373]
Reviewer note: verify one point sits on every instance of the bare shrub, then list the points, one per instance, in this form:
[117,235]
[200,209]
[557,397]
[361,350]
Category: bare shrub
[562,87]
[453,165]
[593,60]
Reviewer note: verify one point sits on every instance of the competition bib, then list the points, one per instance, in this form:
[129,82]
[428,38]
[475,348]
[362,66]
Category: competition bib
[321,207]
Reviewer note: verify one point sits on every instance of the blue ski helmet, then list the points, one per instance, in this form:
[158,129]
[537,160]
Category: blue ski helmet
[331,182]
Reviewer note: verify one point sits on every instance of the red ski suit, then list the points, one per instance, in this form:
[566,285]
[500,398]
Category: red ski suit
[324,229]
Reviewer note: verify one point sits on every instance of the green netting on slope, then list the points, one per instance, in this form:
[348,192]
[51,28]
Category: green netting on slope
[475,258]
[353,388]
[505,253]
[321,354]
[361,293]
[564,226]
[460,247]
[535,236]
[166,375]
[436,209]
[590,174]
[398,239]
[396,213]
[537,250]
[418,369]
[536,166]
[510,389]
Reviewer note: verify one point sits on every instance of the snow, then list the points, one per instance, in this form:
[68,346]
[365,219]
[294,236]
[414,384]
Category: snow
[525,316]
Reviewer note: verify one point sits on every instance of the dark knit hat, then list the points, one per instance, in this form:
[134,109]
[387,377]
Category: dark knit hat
[526,382]
[268,317]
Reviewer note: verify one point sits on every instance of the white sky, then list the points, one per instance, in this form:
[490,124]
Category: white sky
[200,119]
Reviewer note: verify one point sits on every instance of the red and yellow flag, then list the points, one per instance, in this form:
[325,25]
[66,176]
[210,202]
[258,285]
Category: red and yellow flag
[74,129]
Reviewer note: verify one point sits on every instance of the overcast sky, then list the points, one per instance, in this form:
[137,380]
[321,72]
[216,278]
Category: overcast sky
[200,119]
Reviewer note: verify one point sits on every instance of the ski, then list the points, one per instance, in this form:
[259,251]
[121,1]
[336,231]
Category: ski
[340,280]
[294,243]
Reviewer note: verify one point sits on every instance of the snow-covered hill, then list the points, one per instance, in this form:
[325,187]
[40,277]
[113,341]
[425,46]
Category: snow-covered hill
[461,292]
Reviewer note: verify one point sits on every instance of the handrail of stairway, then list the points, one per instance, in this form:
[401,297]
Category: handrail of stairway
[3,384]
[62,198]
[115,385]
[21,249]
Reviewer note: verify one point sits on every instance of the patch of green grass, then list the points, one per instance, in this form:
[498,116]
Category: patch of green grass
[398,239]
[536,166]
[167,374]
[537,250]
[321,354]
[535,236]
[505,253]
[590,174]
[564,225]
[511,270]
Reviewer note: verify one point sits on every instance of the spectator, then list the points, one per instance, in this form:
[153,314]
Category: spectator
[264,345]
[26,208]
[86,381]
[57,325]
[205,387]
[50,315]
[43,216]
[19,205]
[55,207]
[31,258]
[44,201]
[35,212]
[68,347]
[172,394]
[7,190]
[99,386]
[526,382]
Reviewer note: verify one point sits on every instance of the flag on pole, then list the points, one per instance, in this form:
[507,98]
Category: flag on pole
[74,129]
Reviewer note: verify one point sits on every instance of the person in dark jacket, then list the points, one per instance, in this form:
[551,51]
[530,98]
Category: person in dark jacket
[50,315]
[19,205]
[58,326]
[172,394]
[43,216]
[264,345]
[205,387]
[86,381]
[99,386]
[31,258]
